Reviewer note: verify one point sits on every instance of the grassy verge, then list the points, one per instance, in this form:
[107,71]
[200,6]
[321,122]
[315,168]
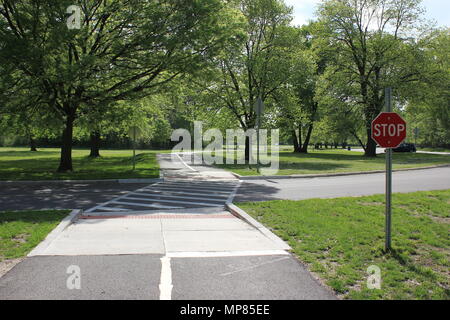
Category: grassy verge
[335,161]
[21,164]
[21,231]
[340,238]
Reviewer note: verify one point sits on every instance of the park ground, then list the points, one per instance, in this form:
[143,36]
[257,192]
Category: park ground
[21,231]
[22,164]
[340,161]
[340,238]
[18,164]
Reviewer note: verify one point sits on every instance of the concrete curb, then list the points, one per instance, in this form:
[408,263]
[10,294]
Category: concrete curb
[325,175]
[241,214]
[82,181]
[63,225]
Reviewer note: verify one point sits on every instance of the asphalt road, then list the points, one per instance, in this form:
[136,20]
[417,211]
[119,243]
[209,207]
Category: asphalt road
[137,277]
[88,195]
[344,186]
[101,278]
[245,278]
[21,196]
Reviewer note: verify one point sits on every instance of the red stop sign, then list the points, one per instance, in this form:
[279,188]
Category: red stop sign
[389,130]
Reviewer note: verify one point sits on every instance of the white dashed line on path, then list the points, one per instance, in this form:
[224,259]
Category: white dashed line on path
[165,286]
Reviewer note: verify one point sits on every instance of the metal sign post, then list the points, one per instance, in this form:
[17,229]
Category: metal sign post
[389,130]
[388,94]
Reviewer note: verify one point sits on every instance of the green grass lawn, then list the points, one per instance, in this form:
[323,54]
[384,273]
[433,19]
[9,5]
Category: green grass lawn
[336,161]
[340,238]
[434,149]
[21,231]
[21,164]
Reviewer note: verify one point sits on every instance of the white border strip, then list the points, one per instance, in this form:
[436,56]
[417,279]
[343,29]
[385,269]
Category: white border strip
[233,194]
[184,163]
[165,286]
[225,254]
[112,209]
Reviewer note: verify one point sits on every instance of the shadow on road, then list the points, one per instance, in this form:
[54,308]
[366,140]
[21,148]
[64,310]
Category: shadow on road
[60,195]
[252,192]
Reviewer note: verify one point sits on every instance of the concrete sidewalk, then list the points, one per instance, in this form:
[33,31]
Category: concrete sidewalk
[209,255]
[159,234]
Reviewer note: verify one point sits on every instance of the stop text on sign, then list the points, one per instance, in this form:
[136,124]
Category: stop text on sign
[384,129]
[388,130]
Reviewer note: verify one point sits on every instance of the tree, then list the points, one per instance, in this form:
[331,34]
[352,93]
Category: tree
[21,116]
[124,49]
[298,101]
[428,107]
[366,42]
[255,69]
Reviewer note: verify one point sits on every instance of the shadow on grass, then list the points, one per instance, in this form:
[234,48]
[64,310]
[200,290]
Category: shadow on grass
[327,156]
[32,216]
[85,167]
[402,260]
[27,153]
[399,158]
[312,166]
[294,163]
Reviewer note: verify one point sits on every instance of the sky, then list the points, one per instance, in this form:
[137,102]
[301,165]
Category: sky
[436,9]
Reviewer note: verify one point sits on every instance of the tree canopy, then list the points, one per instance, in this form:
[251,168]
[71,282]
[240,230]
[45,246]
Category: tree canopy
[161,65]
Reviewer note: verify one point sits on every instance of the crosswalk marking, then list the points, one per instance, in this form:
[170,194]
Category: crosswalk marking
[111,209]
[172,194]
[171,201]
[174,188]
[216,196]
[199,188]
[200,185]
[145,205]
[147,195]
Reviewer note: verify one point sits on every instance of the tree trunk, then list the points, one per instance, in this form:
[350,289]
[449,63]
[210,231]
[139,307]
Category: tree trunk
[371,147]
[247,149]
[66,148]
[296,143]
[33,146]
[307,139]
[95,144]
